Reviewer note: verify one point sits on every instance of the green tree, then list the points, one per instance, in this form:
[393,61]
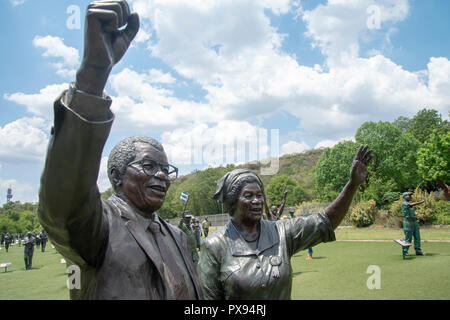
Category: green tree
[433,160]
[424,123]
[16,217]
[28,221]
[333,169]
[394,154]
[275,190]
[300,194]
[403,123]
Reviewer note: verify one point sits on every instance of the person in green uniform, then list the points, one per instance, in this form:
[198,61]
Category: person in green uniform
[410,224]
[186,226]
[250,258]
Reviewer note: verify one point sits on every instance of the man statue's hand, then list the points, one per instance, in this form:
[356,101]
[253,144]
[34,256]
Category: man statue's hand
[358,172]
[105,42]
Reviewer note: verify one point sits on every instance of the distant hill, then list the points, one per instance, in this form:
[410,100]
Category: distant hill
[201,184]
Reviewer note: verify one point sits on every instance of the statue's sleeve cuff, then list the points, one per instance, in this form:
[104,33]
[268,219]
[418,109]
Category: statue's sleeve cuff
[90,107]
[326,228]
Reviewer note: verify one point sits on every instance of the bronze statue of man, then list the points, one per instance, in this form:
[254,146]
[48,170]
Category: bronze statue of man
[121,246]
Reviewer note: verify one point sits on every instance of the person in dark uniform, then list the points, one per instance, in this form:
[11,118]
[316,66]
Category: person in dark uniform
[28,244]
[8,240]
[410,224]
[44,239]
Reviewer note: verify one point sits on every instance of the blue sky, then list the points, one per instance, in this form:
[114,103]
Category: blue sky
[204,76]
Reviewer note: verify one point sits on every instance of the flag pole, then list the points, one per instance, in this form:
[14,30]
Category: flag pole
[185,205]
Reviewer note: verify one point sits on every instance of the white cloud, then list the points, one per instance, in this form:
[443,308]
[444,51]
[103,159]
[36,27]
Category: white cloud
[337,26]
[55,48]
[142,36]
[294,147]
[41,103]
[24,140]
[439,79]
[157,76]
[139,104]
[328,143]
[247,75]
[226,142]
[103,180]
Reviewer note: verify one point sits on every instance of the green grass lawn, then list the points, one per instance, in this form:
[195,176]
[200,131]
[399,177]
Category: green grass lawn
[338,270]
[376,233]
[46,279]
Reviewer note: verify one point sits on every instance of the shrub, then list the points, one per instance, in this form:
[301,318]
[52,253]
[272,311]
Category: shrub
[363,213]
[386,219]
[311,207]
[424,211]
[442,212]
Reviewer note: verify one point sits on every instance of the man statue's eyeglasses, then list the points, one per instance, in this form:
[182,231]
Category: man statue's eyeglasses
[151,167]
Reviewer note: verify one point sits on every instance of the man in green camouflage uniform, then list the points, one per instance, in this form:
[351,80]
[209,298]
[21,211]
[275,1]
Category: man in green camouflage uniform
[410,224]
[186,227]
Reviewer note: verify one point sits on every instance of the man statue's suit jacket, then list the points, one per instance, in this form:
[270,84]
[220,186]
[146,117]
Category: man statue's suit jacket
[102,237]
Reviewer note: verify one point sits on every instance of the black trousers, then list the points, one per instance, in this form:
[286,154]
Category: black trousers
[28,257]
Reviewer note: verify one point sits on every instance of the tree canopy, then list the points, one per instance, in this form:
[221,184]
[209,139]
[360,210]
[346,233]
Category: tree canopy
[16,217]
[333,169]
[422,125]
[281,183]
[433,159]
[394,154]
